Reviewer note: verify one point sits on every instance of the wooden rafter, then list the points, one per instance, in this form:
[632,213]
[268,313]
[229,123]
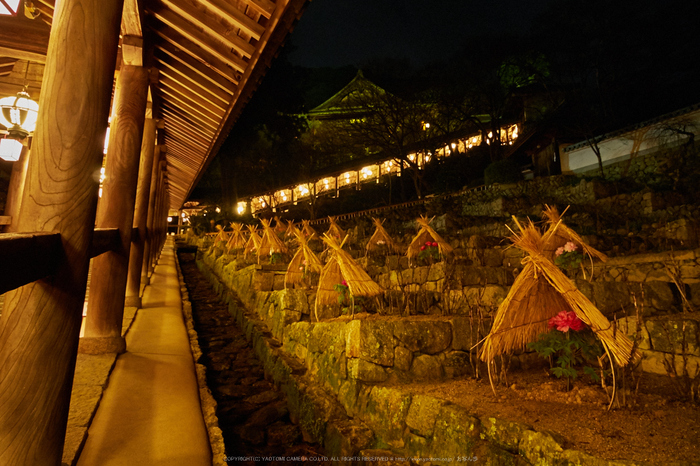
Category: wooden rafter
[198,37]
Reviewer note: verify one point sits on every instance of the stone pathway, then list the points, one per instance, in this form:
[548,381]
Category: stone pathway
[252,413]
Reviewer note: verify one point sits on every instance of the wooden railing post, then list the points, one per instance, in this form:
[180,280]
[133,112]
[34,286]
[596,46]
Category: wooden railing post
[133,284]
[40,325]
[105,311]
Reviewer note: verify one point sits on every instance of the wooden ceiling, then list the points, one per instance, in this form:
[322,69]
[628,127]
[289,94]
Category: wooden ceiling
[207,58]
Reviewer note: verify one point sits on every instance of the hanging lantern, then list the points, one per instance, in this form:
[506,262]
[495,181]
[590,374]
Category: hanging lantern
[18,114]
[10,149]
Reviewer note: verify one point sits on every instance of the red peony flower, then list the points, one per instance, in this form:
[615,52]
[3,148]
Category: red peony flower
[422,248]
[434,245]
[427,243]
[565,321]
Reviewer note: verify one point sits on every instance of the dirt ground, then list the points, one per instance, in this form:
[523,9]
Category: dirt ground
[655,426]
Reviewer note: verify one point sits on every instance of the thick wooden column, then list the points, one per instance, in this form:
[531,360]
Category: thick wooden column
[160,218]
[40,325]
[15,189]
[133,283]
[145,266]
[105,311]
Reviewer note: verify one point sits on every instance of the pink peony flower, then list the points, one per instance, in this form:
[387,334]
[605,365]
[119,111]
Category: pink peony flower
[565,321]
[570,247]
[345,283]
[559,251]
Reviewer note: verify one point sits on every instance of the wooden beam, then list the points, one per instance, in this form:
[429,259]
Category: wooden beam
[168,108]
[236,17]
[264,7]
[195,98]
[132,50]
[103,240]
[23,38]
[184,45]
[186,132]
[33,256]
[223,26]
[176,59]
[209,93]
[201,38]
[131,19]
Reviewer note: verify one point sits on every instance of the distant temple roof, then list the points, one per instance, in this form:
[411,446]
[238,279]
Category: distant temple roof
[341,104]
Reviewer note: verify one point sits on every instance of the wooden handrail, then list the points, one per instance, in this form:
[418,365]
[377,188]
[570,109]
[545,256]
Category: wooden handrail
[27,257]
[103,240]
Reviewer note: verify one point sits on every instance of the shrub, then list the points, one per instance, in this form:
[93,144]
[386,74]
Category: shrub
[503,171]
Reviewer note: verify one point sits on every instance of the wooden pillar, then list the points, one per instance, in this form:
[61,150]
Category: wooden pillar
[146,264]
[157,214]
[133,284]
[40,325]
[105,311]
[15,189]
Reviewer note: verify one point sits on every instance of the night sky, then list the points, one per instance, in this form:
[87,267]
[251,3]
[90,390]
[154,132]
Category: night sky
[335,33]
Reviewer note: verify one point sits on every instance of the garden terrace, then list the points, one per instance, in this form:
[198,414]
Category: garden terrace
[404,367]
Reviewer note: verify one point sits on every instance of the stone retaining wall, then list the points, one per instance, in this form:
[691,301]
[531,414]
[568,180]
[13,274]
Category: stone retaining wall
[322,367]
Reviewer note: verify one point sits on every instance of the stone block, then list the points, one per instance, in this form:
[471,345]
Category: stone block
[294,299]
[426,367]
[386,413]
[436,272]
[424,336]
[609,297]
[694,297]
[365,371]
[496,276]
[506,434]
[494,295]
[659,296]
[456,432]
[493,257]
[347,438]
[457,364]
[262,282]
[628,325]
[674,335]
[538,447]
[403,358]
[348,395]
[472,275]
[422,414]
[420,275]
[371,341]
[655,362]
[327,336]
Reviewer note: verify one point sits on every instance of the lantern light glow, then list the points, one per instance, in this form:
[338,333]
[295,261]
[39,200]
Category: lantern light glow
[10,149]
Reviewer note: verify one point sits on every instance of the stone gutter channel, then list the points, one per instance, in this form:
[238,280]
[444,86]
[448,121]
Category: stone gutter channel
[246,415]
[366,423]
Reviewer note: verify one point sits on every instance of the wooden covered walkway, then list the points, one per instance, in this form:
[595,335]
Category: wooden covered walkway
[150,411]
[168,78]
